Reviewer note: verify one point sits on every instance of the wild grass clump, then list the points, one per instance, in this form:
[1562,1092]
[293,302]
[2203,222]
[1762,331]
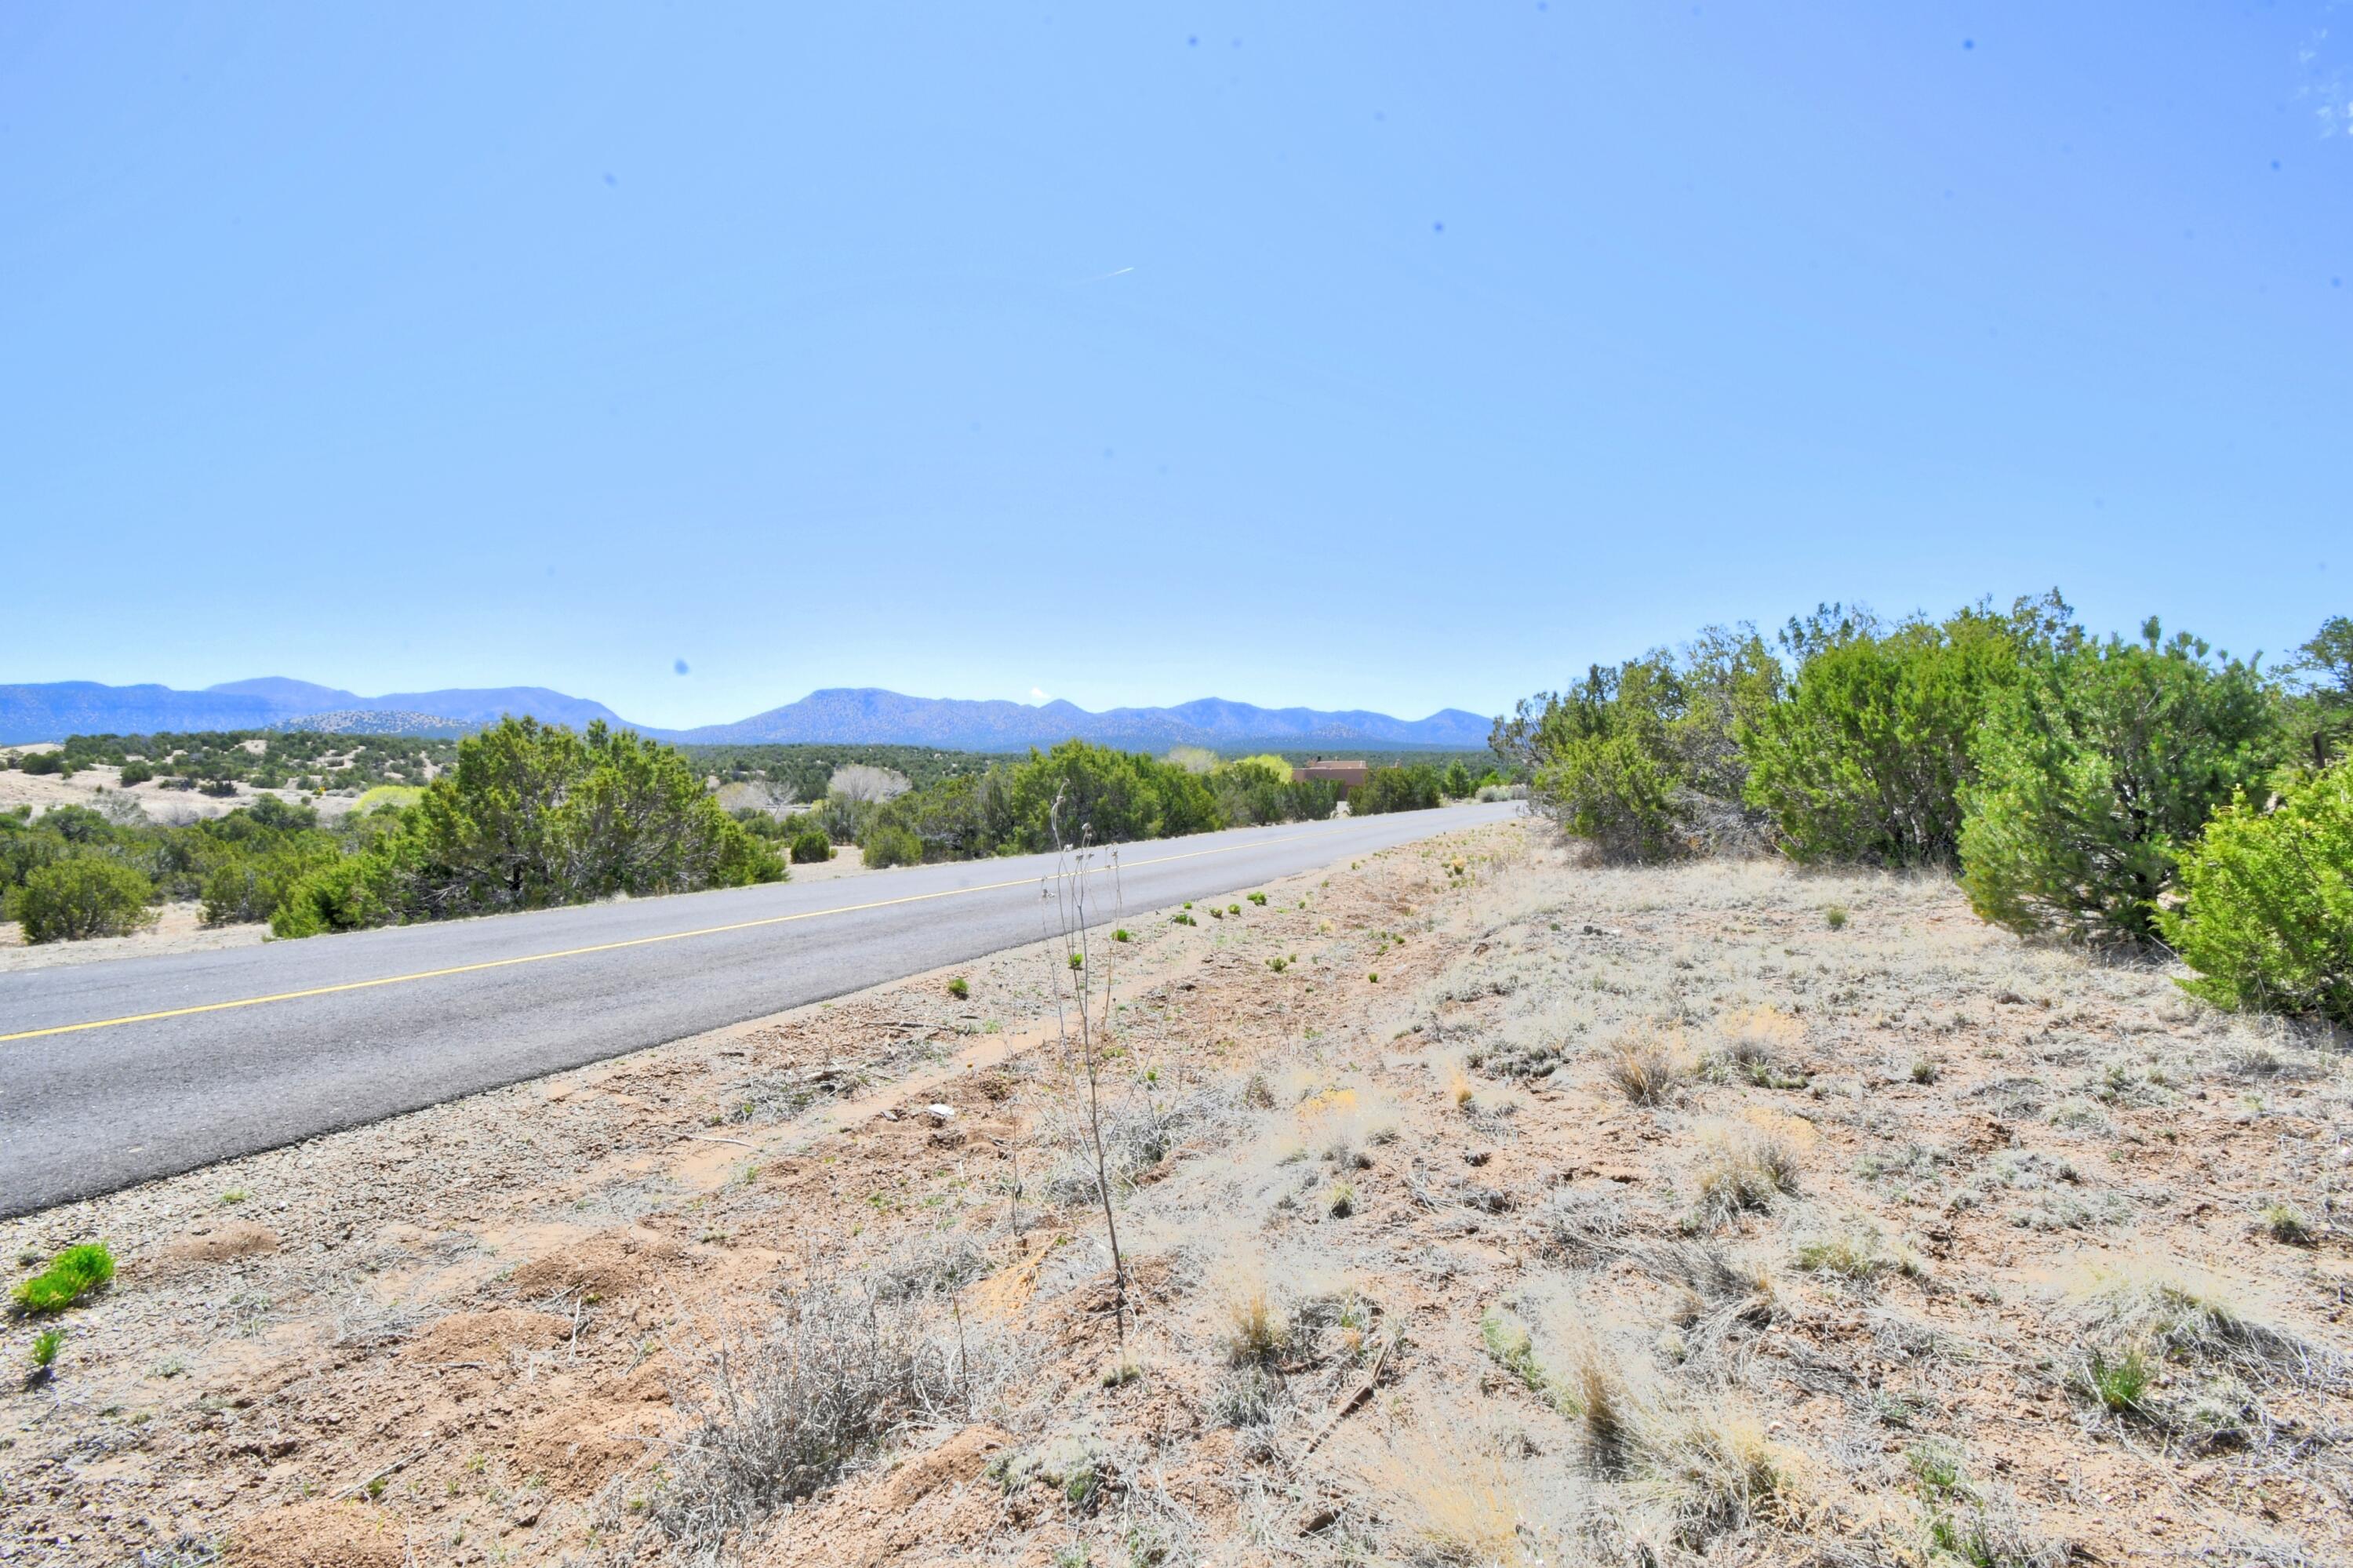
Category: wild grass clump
[960,988]
[1456,1498]
[1648,1068]
[778,1419]
[2118,1381]
[1257,1331]
[1695,1465]
[72,1275]
[2187,1315]
[1747,1164]
[2286,1222]
[1756,1045]
[1858,1254]
[1513,1348]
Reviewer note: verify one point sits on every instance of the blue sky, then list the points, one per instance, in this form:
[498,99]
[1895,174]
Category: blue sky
[1383,356]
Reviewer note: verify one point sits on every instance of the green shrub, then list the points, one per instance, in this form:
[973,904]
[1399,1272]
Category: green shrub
[79,897]
[533,815]
[2093,770]
[46,762]
[135,773]
[887,845]
[46,1345]
[250,886]
[1642,761]
[1866,759]
[1413,788]
[2267,918]
[351,895]
[960,988]
[71,1275]
[811,847]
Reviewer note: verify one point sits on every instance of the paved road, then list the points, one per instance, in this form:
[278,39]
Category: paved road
[86,1110]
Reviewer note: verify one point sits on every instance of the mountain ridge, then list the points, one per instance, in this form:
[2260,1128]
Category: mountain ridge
[831,716]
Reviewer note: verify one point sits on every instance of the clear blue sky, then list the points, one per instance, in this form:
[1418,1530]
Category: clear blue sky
[1392,355]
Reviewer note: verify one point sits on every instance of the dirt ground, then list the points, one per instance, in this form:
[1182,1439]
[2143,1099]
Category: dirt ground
[1475,1207]
[90,785]
[178,929]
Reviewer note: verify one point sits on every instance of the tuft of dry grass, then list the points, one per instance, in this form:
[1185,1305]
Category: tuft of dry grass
[1648,1068]
[1457,1500]
[1745,1165]
[2176,1312]
[1257,1330]
[777,1418]
[1756,1042]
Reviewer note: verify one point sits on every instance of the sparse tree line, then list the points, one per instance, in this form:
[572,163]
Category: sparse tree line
[218,761]
[1107,796]
[2139,791]
[526,816]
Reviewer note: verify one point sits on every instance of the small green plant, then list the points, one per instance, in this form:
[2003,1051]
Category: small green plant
[1182,919]
[1925,1070]
[1341,1201]
[1373,978]
[1513,1348]
[811,847]
[1233,908]
[960,988]
[1278,965]
[235,1196]
[1078,960]
[2118,1383]
[1938,1467]
[1258,899]
[1123,935]
[1119,1374]
[44,1348]
[1834,916]
[72,1275]
[2287,1222]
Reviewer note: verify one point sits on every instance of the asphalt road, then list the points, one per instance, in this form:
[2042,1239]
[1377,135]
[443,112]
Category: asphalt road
[98,1091]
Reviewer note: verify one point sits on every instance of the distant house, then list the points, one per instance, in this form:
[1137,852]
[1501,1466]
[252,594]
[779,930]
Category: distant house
[1346,775]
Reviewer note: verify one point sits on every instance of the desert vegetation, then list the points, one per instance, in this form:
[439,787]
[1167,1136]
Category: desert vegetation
[1617,1223]
[223,761]
[523,817]
[2124,793]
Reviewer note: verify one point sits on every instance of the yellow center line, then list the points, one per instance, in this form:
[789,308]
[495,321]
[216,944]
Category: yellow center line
[615,947]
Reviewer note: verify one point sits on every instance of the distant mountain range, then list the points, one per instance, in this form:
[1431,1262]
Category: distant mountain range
[843,716]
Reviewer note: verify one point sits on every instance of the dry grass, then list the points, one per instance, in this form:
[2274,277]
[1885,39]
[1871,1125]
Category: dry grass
[2177,1312]
[1451,1494]
[1747,1164]
[1650,1066]
[1257,1331]
[778,1416]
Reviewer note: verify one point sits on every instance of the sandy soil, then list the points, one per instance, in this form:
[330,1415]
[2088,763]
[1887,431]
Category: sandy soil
[178,929]
[90,785]
[1623,1217]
